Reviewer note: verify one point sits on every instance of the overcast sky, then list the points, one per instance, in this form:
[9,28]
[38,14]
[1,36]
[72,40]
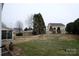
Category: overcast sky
[52,13]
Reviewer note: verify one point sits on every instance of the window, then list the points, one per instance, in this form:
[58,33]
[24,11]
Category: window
[9,34]
[6,34]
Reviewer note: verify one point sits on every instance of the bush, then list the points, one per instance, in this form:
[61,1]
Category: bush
[19,34]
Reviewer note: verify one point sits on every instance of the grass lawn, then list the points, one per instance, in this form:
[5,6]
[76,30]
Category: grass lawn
[50,47]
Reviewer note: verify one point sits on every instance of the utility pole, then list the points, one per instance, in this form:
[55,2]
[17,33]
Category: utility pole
[1,7]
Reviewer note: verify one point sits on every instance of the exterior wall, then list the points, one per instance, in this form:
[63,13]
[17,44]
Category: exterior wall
[62,28]
[27,33]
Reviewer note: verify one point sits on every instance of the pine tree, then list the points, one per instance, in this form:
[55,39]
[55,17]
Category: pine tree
[73,27]
[38,24]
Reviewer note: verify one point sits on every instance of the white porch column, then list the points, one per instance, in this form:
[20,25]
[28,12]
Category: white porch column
[1,5]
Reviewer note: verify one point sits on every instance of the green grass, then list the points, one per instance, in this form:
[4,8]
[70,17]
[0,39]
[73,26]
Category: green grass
[50,47]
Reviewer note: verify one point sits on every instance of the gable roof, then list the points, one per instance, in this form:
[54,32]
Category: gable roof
[56,24]
[4,27]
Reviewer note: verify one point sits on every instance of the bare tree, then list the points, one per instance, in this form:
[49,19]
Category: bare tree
[19,26]
[29,21]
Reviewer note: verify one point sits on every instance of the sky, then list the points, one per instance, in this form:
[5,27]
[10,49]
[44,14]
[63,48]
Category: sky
[52,13]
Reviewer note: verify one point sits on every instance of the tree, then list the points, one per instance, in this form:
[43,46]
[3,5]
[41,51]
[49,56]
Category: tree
[38,24]
[26,29]
[76,25]
[77,20]
[19,26]
[29,21]
[69,27]
[73,27]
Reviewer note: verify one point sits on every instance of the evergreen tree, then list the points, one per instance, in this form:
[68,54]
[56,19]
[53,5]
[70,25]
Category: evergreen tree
[73,27]
[38,24]
[76,25]
[69,27]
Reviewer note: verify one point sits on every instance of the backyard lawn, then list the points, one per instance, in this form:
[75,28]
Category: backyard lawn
[51,45]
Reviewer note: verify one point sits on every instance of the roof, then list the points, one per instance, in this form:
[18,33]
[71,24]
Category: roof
[4,27]
[56,24]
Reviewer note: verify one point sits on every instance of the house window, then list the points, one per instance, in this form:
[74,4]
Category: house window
[9,35]
[6,34]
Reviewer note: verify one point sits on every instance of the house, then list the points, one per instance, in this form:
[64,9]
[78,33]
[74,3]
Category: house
[27,33]
[6,37]
[54,26]
[6,34]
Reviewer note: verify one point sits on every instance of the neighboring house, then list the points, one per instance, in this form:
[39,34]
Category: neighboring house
[55,26]
[27,33]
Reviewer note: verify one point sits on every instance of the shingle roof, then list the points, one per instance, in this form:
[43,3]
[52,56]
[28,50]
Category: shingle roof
[56,24]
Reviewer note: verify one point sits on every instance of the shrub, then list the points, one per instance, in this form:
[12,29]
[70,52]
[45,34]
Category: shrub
[19,34]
